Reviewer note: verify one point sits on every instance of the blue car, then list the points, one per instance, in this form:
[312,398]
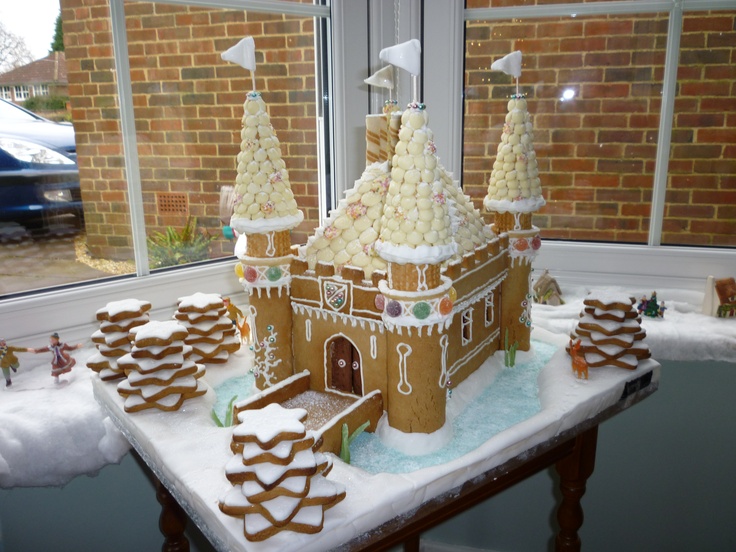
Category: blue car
[39,177]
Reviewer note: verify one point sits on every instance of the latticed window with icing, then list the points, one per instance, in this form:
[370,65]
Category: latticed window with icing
[467,326]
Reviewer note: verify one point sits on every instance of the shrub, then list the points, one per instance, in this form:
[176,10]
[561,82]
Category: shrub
[46,103]
[171,248]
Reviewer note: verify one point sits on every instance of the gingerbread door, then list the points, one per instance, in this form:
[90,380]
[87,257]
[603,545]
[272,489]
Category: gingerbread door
[344,366]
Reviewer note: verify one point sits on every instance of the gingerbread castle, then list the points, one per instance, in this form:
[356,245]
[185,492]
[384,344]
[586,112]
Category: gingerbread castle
[404,289]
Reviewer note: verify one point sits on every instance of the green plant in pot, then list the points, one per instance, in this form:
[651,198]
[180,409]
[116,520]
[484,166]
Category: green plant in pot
[173,247]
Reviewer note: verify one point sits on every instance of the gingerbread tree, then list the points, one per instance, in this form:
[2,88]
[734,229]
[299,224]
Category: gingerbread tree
[211,333]
[116,318]
[279,481]
[610,331]
[160,373]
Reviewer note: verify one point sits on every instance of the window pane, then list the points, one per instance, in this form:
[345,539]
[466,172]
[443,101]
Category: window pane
[700,204]
[188,106]
[593,86]
[41,213]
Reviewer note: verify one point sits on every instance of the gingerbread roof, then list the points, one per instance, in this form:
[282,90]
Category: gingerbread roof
[375,221]
[264,200]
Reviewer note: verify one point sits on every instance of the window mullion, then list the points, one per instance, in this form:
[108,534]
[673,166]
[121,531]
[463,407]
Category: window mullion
[664,136]
[130,143]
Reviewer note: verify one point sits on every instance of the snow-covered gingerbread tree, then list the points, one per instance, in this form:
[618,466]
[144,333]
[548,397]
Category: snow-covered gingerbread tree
[610,331]
[279,481]
[160,373]
[211,332]
[116,318]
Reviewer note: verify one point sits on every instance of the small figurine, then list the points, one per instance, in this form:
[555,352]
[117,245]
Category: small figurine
[650,307]
[8,360]
[579,365]
[238,319]
[62,362]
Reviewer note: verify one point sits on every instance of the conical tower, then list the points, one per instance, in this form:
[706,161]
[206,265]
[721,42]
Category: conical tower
[514,194]
[264,214]
[415,238]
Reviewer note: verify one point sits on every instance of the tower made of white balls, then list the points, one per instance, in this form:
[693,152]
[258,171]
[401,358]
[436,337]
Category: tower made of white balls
[514,194]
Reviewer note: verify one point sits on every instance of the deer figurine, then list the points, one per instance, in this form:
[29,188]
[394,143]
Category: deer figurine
[579,366]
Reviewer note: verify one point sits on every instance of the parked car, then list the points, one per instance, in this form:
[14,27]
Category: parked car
[39,177]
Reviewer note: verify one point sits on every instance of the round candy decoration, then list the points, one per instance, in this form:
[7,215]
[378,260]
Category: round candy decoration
[250,274]
[239,270]
[421,310]
[452,294]
[445,306]
[393,309]
[536,242]
[274,273]
[521,244]
[380,302]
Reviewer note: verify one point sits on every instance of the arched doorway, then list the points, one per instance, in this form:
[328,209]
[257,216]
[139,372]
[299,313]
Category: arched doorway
[343,362]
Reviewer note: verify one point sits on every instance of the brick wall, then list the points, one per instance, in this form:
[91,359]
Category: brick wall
[597,150]
[188,106]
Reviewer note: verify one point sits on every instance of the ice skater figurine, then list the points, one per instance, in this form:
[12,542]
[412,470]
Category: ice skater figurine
[8,360]
[61,362]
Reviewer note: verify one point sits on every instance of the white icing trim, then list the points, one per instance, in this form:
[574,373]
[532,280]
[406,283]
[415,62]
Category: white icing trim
[374,347]
[480,292]
[422,254]
[308,329]
[492,306]
[466,321]
[403,375]
[322,314]
[262,225]
[472,353]
[444,343]
[526,205]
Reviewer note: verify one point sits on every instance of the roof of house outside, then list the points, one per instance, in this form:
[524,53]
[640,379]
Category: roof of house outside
[51,69]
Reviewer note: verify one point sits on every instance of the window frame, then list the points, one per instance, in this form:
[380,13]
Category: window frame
[36,314]
[654,264]
[71,308]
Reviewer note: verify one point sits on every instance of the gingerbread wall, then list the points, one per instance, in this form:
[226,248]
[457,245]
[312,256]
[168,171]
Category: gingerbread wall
[188,107]
[597,151]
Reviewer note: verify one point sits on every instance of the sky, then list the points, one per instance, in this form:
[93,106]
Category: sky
[32,20]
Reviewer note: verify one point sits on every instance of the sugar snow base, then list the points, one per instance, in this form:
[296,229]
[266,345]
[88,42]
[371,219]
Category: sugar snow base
[51,433]
[188,452]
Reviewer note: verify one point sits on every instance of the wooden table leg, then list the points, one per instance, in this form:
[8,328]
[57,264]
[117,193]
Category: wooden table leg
[173,521]
[574,471]
[412,544]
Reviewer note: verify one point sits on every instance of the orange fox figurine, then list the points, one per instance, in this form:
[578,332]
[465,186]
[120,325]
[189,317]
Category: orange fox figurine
[579,366]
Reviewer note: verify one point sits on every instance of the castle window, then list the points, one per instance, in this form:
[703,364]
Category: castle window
[308,329]
[467,326]
[490,314]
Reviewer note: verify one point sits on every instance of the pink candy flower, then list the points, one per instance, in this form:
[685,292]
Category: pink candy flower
[439,198]
[330,232]
[275,177]
[356,210]
[268,207]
